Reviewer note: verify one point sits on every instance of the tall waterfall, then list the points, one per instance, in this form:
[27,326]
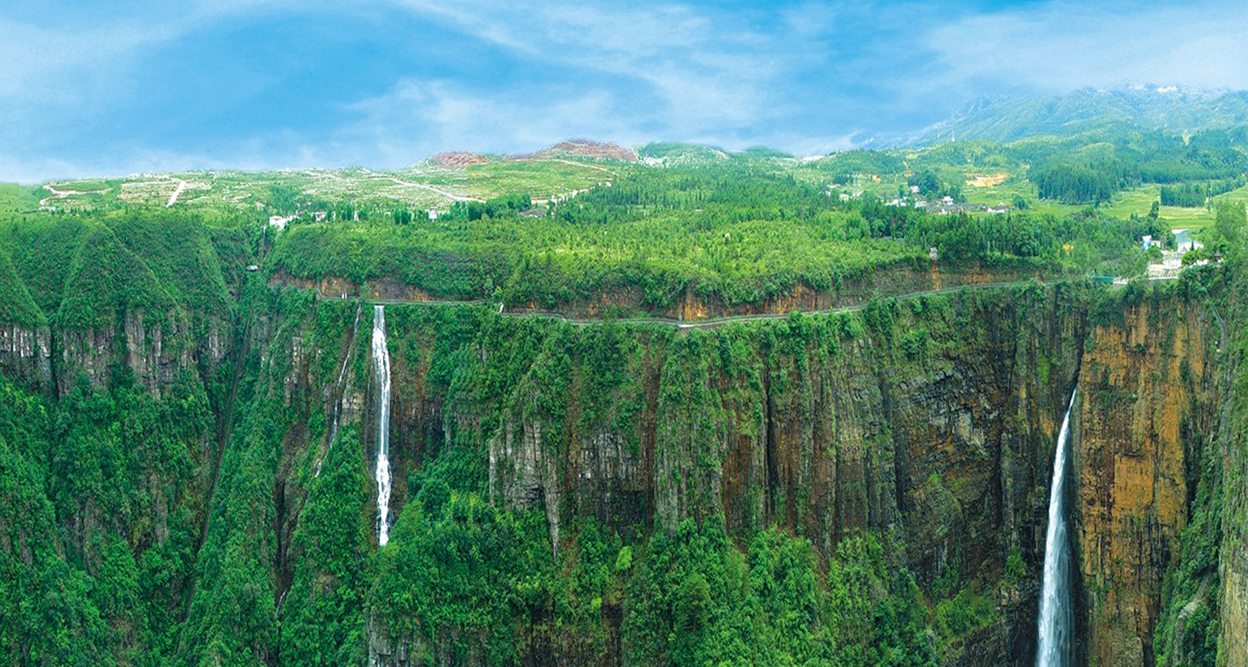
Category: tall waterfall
[1055,629]
[339,392]
[381,370]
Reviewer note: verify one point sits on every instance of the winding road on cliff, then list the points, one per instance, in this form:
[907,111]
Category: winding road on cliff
[708,323]
[713,322]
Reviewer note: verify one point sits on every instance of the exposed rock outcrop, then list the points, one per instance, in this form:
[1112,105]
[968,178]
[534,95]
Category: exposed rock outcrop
[26,354]
[384,289]
[932,422]
[826,430]
[587,148]
[1147,405]
[457,159]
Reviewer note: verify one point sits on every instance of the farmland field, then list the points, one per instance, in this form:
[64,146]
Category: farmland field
[423,186]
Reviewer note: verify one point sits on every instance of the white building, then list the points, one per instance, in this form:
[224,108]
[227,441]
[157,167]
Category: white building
[1184,242]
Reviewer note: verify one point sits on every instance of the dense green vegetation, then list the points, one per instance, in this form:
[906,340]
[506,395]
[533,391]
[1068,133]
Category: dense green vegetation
[1197,194]
[16,304]
[111,482]
[87,269]
[736,234]
[175,498]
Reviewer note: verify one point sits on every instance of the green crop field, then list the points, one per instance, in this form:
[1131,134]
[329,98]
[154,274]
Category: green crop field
[1240,195]
[1139,201]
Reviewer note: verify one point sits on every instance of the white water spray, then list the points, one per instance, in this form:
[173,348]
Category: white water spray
[381,369]
[1054,635]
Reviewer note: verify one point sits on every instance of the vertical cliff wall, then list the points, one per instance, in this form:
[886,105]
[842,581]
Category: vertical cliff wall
[1230,510]
[931,422]
[919,432]
[1147,411]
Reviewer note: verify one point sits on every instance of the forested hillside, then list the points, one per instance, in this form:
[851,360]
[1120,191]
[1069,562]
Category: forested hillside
[1141,107]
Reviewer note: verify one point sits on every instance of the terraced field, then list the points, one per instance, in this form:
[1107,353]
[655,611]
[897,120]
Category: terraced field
[423,186]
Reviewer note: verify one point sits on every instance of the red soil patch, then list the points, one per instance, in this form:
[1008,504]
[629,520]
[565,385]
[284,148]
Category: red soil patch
[457,159]
[589,149]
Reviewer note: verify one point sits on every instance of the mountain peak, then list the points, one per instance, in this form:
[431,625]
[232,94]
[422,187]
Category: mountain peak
[588,148]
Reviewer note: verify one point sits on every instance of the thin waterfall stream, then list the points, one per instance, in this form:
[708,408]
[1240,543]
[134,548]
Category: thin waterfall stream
[1053,647]
[339,392]
[381,371]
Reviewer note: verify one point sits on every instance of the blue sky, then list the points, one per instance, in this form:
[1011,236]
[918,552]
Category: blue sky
[95,88]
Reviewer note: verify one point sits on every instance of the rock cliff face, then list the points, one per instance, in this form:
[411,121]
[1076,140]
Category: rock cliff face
[1147,409]
[338,288]
[943,439]
[26,354]
[154,349]
[931,421]
[1232,455]
[1233,569]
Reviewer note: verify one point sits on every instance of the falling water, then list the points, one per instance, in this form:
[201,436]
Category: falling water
[1055,608]
[342,395]
[381,369]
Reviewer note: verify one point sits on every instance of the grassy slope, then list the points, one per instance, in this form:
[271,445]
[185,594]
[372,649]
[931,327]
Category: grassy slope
[15,198]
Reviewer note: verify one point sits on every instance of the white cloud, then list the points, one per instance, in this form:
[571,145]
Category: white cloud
[706,69]
[81,64]
[1060,46]
[417,118]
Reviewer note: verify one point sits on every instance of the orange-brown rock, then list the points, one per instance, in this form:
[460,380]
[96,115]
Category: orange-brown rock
[1144,396]
[388,288]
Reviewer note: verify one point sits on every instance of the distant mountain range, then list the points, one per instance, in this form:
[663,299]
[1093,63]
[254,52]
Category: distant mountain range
[1103,112]
[1169,108]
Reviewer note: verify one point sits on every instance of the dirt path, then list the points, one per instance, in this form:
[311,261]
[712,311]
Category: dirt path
[444,193]
[61,194]
[177,192]
[582,164]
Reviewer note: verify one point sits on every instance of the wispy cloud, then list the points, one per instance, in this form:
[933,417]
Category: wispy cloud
[700,67]
[1060,45]
[417,118]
